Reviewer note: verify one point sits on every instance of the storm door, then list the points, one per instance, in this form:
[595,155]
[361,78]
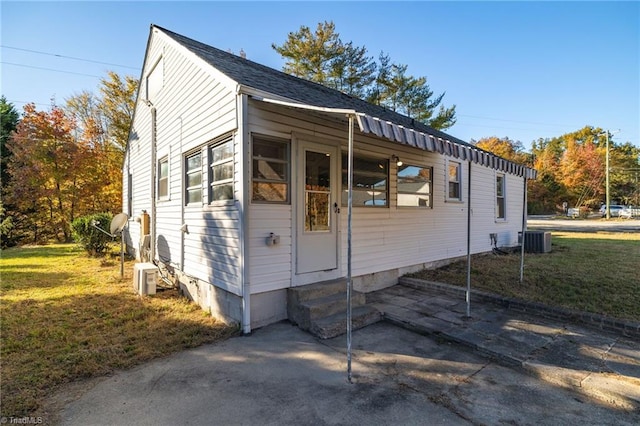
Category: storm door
[318,209]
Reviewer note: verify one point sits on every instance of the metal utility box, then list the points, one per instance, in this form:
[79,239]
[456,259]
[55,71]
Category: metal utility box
[536,241]
[145,277]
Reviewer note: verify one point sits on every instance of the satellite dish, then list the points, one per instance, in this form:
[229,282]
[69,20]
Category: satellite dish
[118,223]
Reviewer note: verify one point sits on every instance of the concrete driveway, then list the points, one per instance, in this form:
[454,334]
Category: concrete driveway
[280,375]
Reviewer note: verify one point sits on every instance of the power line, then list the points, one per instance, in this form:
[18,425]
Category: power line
[49,69]
[26,102]
[68,57]
[517,121]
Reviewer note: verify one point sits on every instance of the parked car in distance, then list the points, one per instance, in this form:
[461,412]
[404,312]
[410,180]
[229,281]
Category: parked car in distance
[629,212]
[614,210]
[573,212]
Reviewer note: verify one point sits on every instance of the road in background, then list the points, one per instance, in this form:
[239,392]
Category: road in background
[550,223]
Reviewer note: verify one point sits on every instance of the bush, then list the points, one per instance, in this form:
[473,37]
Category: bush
[94,241]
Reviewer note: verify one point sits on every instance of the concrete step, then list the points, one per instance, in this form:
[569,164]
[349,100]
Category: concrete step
[304,313]
[336,324]
[317,290]
[329,305]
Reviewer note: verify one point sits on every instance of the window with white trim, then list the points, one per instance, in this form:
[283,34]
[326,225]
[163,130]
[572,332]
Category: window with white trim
[193,178]
[221,171]
[155,80]
[270,181]
[370,181]
[163,178]
[414,186]
[454,181]
[501,206]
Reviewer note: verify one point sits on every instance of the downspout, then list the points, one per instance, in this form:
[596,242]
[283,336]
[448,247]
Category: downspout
[183,226]
[244,164]
[152,237]
[468,292]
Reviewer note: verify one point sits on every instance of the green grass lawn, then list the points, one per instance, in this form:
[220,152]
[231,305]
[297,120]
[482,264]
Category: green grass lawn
[592,272]
[66,316]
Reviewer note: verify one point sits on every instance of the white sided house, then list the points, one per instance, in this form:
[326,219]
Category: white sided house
[243,171]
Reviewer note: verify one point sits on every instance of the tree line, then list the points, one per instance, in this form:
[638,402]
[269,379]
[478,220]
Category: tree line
[572,168]
[65,162]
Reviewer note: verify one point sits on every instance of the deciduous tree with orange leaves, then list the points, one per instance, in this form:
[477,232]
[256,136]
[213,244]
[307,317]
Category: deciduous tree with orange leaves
[46,170]
[67,162]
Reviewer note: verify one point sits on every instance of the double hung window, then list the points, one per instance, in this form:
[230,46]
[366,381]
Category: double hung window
[193,178]
[163,178]
[454,181]
[221,171]
[500,197]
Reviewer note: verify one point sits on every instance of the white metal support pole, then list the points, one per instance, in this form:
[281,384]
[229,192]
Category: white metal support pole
[468,293]
[121,254]
[607,200]
[524,227]
[349,216]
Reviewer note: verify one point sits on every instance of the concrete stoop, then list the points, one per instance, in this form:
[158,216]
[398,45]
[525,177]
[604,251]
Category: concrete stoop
[321,308]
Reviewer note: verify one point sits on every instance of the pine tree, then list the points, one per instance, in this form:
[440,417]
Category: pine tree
[322,57]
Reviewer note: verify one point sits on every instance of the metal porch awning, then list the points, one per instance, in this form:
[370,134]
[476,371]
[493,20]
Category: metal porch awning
[400,134]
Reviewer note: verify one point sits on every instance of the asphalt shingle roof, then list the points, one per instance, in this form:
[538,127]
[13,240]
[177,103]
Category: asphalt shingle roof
[258,76]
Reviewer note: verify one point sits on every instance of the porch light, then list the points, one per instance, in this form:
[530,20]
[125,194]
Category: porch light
[397,160]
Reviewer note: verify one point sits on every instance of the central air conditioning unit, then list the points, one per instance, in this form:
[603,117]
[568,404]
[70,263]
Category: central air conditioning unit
[145,276]
[536,241]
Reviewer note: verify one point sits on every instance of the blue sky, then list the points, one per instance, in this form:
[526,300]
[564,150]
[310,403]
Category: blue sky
[524,70]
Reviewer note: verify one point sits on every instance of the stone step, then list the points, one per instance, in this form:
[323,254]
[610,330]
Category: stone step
[336,324]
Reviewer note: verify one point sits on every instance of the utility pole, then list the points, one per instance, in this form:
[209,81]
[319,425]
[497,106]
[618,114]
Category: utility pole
[607,195]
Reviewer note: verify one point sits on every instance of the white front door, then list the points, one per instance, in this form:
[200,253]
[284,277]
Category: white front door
[318,206]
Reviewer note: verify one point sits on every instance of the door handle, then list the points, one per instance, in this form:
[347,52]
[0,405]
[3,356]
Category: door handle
[336,209]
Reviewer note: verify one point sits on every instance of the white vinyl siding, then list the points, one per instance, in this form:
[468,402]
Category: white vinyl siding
[194,107]
[270,266]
